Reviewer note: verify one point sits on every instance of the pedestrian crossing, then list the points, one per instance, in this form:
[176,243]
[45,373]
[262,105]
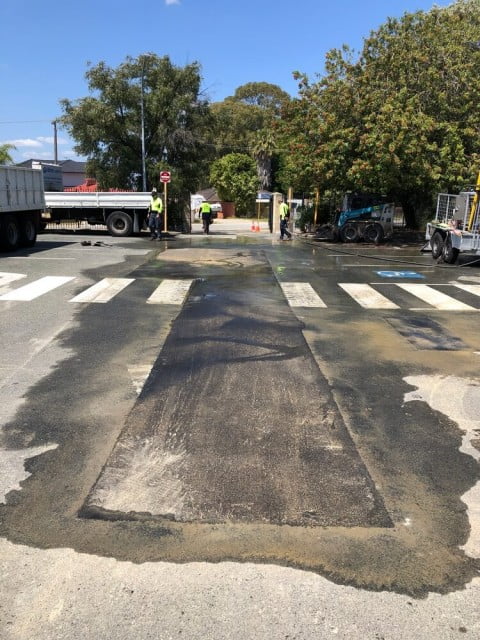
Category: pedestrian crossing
[297,294]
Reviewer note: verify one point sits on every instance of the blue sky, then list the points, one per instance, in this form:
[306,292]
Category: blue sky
[45,48]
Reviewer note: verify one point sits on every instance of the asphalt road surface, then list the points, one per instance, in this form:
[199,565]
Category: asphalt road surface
[234,437]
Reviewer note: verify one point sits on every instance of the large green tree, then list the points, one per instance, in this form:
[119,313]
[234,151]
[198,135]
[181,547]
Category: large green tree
[245,123]
[234,176]
[402,119]
[107,124]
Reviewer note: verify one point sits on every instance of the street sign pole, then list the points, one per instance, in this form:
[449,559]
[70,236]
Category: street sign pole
[165,207]
[165,177]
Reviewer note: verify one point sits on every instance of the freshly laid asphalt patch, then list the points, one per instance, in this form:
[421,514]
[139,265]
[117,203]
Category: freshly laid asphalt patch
[425,333]
[236,423]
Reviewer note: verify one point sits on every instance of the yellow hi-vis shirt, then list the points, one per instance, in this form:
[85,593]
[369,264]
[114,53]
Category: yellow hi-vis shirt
[156,204]
[283,210]
[205,208]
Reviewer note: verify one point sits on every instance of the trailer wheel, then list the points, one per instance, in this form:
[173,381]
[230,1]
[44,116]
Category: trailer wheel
[28,232]
[449,254]
[373,233]
[349,233]
[120,224]
[437,243]
[10,233]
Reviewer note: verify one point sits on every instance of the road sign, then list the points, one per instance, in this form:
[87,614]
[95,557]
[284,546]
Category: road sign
[165,176]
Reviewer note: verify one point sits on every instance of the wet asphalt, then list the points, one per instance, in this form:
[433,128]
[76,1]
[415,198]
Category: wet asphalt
[263,433]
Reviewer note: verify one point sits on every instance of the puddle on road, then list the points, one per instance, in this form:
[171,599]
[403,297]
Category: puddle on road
[459,400]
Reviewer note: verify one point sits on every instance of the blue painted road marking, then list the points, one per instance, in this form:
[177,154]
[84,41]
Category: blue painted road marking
[399,274]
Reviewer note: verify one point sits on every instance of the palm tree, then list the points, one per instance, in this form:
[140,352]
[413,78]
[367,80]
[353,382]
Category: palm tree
[263,150]
[5,157]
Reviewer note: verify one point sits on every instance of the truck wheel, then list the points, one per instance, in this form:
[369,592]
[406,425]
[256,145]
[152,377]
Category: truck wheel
[437,243]
[349,233]
[10,233]
[28,232]
[373,233]
[449,254]
[120,224]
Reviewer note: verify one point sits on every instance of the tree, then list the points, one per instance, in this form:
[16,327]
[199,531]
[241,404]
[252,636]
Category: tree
[402,119]
[5,157]
[234,176]
[107,125]
[245,123]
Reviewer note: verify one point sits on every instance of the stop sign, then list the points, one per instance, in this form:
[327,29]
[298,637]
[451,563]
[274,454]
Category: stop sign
[164,176]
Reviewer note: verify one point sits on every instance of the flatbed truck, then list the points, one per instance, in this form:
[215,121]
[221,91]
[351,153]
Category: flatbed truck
[123,212]
[456,227]
[22,200]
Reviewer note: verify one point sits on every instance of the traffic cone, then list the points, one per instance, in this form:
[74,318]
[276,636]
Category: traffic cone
[252,228]
[257,226]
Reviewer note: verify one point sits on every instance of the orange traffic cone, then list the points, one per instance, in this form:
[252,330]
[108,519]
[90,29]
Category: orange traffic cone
[252,228]
[257,226]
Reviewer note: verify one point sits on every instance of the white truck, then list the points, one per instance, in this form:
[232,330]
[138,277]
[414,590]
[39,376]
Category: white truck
[22,200]
[123,212]
[456,227]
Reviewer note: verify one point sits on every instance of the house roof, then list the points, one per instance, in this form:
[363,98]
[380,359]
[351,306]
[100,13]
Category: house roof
[209,194]
[71,166]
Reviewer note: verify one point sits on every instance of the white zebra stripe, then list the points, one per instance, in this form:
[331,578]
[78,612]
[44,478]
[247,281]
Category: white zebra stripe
[435,298]
[103,291]
[170,292]
[367,296]
[36,289]
[474,289]
[6,278]
[301,294]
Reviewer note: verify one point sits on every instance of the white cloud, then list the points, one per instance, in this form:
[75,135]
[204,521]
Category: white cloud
[38,155]
[25,142]
[51,140]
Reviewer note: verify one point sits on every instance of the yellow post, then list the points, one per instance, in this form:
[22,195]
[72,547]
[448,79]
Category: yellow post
[475,203]
[315,211]
[164,207]
[290,198]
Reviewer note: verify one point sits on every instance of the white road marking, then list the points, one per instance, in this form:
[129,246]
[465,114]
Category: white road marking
[474,289]
[366,296]
[170,292]
[459,400]
[301,294]
[37,288]
[6,278]
[103,291]
[435,298]
[139,374]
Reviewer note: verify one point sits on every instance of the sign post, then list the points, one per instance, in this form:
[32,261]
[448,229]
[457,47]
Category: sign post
[165,177]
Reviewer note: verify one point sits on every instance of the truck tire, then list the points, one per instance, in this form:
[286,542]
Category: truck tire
[437,242]
[28,232]
[449,254]
[119,224]
[349,233]
[373,233]
[10,233]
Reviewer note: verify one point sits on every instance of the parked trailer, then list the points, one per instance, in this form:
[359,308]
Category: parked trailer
[456,227]
[22,200]
[123,212]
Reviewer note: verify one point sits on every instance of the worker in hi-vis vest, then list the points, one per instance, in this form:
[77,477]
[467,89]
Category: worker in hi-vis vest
[206,213]
[284,218]
[155,216]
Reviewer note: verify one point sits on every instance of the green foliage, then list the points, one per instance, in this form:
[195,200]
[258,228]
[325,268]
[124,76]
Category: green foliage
[5,157]
[245,123]
[402,119]
[305,217]
[234,176]
[107,125]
